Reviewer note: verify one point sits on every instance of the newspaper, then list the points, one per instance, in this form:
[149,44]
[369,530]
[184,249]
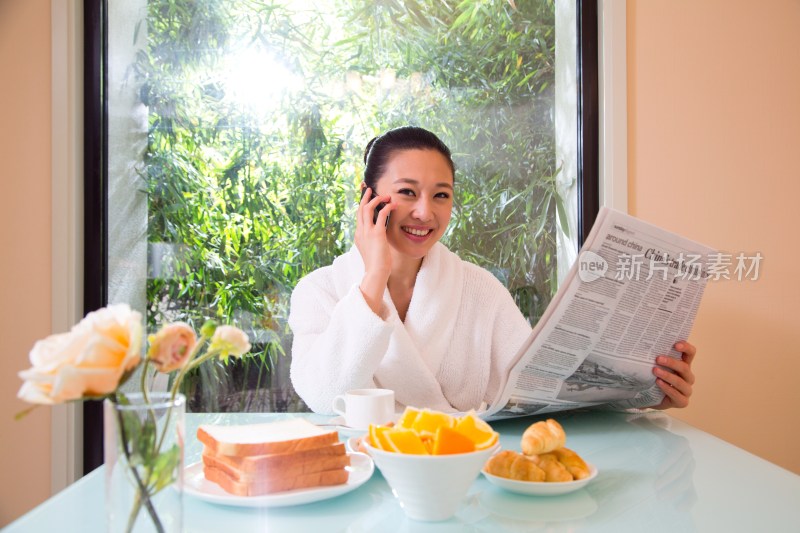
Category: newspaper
[631,295]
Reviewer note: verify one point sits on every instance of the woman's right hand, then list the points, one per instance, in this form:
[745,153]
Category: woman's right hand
[374,248]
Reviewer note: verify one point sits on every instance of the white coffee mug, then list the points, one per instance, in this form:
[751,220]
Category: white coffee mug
[362,407]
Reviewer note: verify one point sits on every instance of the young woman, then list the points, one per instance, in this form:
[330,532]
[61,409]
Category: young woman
[402,312]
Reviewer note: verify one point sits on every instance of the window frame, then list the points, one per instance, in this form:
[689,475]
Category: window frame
[95,200]
[590,13]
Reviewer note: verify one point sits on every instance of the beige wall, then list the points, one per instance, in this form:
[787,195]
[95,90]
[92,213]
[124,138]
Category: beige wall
[25,245]
[714,127]
[714,137]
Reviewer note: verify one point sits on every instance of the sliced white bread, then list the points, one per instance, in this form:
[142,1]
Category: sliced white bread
[284,436]
[284,470]
[272,485]
[254,464]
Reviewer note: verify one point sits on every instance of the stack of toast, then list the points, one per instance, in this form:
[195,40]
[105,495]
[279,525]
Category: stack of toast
[259,459]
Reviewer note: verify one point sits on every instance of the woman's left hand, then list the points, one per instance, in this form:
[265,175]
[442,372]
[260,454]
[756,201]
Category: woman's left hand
[676,378]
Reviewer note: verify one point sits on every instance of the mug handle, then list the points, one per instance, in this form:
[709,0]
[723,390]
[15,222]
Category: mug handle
[339,400]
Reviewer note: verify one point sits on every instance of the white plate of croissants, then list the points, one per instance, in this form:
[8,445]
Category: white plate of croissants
[545,467]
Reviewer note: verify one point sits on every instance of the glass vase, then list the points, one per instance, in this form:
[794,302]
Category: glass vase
[144,451]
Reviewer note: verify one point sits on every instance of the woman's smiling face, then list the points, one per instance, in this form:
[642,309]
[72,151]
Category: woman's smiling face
[420,183]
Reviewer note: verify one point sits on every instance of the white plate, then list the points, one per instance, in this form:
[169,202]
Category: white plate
[541,488]
[352,444]
[344,429]
[195,484]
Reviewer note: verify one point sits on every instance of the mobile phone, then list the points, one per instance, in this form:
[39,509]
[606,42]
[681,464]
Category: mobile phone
[378,208]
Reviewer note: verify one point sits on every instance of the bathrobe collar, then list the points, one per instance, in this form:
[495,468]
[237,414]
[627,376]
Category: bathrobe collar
[432,312]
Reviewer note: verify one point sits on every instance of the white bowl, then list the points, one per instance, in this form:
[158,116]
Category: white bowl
[429,487]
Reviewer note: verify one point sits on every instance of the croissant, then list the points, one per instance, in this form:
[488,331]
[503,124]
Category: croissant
[553,469]
[500,463]
[573,462]
[543,437]
[513,465]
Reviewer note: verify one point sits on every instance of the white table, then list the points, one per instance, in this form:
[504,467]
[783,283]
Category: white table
[656,473]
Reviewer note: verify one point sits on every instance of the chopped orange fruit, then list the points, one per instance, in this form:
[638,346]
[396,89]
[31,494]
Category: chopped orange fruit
[430,421]
[449,441]
[404,440]
[408,417]
[427,432]
[377,438]
[477,430]
[427,441]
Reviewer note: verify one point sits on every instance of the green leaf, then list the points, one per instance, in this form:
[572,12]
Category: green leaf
[526,78]
[562,215]
[164,469]
[145,444]
[543,212]
[462,19]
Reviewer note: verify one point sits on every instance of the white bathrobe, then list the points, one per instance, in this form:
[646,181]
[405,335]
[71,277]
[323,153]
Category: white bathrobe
[461,330]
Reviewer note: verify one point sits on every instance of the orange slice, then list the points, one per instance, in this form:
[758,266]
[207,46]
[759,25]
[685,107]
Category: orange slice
[404,440]
[377,438]
[477,430]
[428,432]
[408,417]
[449,441]
[427,441]
[430,421]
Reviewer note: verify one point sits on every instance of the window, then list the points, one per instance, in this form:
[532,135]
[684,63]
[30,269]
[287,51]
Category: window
[228,139]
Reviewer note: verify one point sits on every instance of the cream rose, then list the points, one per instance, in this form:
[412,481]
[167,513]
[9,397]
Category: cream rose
[88,361]
[229,340]
[171,346]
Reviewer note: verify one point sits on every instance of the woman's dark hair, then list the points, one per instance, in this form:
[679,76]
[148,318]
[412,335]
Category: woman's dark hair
[381,148]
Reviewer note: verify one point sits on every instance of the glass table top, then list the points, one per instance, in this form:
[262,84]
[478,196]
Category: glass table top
[656,473]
